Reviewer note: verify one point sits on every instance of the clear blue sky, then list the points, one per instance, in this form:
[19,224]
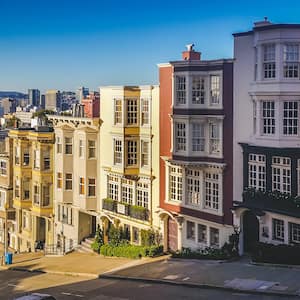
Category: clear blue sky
[64,44]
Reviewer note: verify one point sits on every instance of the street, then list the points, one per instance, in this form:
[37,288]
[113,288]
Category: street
[16,283]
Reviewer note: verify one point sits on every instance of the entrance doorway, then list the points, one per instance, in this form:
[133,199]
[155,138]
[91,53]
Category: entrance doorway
[250,231]
[172,235]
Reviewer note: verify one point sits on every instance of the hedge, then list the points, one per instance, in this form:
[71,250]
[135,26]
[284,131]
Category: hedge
[278,254]
[130,251]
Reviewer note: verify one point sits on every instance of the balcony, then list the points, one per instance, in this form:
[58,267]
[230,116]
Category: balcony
[133,211]
[273,201]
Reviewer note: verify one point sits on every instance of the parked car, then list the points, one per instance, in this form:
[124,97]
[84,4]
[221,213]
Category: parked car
[36,296]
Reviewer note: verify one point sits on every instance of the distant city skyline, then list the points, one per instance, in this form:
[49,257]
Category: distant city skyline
[69,44]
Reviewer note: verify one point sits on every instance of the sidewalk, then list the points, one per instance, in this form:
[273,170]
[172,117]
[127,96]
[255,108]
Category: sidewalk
[239,275]
[77,264]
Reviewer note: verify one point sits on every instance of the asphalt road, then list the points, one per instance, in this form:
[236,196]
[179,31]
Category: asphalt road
[15,283]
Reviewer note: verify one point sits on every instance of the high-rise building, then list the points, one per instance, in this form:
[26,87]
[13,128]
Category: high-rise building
[33,97]
[195,119]
[266,134]
[53,100]
[91,104]
[81,93]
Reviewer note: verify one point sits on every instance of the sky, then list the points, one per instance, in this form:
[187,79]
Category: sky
[65,44]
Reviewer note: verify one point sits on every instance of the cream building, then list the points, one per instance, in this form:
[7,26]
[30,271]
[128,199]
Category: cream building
[75,174]
[129,158]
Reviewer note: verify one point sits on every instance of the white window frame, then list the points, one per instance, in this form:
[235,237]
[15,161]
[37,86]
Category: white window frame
[132,111]
[142,194]
[291,61]
[132,153]
[194,185]
[198,89]
[269,61]
[281,174]
[68,145]
[118,152]
[212,191]
[118,111]
[257,171]
[127,189]
[278,230]
[290,118]
[91,187]
[113,187]
[145,111]
[145,153]
[215,89]
[268,117]
[198,137]
[68,181]
[175,184]
[92,149]
[180,89]
[180,136]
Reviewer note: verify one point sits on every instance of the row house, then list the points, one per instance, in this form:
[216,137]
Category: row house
[32,161]
[7,211]
[196,98]
[129,158]
[266,134]
[76,184]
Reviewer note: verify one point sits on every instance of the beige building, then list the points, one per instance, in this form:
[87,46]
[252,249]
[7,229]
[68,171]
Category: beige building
[76,173]
[7,212]
[32,186]
[129,158]
[53,100]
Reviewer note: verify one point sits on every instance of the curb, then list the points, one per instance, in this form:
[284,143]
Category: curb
[296,267]
[197,285]
[20,269]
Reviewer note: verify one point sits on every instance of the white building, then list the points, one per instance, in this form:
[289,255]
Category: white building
[266,133]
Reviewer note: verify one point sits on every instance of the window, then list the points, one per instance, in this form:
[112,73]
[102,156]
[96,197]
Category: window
[294,230]
[131,153]
[257,171]
[127,191]
[291,61]
[3,167]
[65,214]
[190,230]
[143,194]
[269,65]
[145,111]
[198,137]
[198,93]
[26,188]
[132,111]
[180,137]
[281,174]
[81,148]
[2,199]
[175,183]
[113,187]
[46,195]
[180,88]
[202,233]
[118,111]
[26,220]
[214,237]
[26,157]
[69,182]
[193,187]
[212,191]
[278,229]
[268,117]
[92,187]
[214,138]
[46,160]
[59,180]
[17,187]
[214,89]
[68,145]
[290,118]
[17,155]
[81,186]
[117,152]
[36,159]
[58,145]
[136,235]
[92,149]
[145,153]
[36,194]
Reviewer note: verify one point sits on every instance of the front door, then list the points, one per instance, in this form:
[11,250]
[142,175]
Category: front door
[172,235]
[250,231]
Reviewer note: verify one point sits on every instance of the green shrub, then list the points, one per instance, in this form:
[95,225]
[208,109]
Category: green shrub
[99,240]
[149,237]
[278,254]
[139,212]
[130,251]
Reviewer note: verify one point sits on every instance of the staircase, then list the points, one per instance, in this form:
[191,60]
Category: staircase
[85,246]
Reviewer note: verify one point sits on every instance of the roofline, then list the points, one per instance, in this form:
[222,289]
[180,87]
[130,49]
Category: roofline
[267,27]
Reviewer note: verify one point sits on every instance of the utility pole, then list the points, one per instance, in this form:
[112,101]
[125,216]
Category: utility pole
[5,236]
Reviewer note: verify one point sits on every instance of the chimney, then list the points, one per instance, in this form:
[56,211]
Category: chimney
[190,53]
[265,22]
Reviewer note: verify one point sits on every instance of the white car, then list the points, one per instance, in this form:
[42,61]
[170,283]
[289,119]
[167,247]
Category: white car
[36,296]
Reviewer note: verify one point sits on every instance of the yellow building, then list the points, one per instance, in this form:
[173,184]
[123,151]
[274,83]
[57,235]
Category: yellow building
[7,212]
[33,186]
[76,179]
[129,158]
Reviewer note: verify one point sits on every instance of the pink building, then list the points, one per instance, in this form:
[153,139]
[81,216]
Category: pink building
[91,105]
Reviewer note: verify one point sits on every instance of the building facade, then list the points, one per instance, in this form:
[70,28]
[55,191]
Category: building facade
[32,159]
[91,104]
[196,151]
[34,97]
[76,174]
[129,154]
[266,131]
[53,100]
